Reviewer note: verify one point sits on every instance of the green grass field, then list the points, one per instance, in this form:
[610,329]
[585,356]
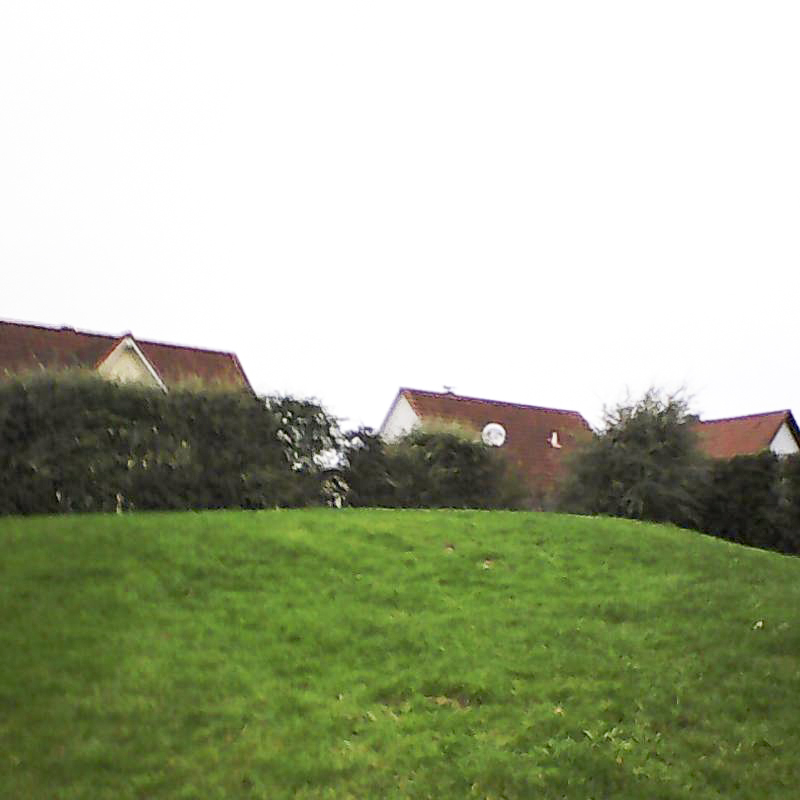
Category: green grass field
[377,654]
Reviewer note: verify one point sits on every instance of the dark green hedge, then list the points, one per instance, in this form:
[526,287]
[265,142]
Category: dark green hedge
[429,469]
[79,443]
[754,500]
[74,442]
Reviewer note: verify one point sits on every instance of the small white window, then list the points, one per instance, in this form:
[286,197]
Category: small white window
[494,434]
[553,440]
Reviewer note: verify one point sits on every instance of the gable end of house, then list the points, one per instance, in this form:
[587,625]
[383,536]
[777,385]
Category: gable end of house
[401,419]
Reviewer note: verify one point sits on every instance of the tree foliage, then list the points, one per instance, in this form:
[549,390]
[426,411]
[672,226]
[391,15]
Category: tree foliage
[309,435]
[366,473]
[643,464]
[428,469]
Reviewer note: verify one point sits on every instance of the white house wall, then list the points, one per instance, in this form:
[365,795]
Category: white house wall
[784,443]
[125,366]
[402,418]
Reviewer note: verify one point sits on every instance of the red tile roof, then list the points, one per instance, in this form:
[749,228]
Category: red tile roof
[24,347]
[725,438]
[528,430]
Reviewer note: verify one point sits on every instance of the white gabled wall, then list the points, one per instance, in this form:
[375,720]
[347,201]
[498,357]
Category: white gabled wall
[127,364]
[784,443]
[127,368]
[401,419]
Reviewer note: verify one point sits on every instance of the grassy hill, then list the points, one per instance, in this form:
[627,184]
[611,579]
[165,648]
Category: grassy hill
[377,654]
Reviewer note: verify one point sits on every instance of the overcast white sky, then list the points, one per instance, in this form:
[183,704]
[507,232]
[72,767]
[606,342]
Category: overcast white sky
[549,203]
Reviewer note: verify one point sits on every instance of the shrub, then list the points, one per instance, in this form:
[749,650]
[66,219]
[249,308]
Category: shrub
[644,464]
[366,473]
[790,486]
[312,445]
[754,500]
[428,469]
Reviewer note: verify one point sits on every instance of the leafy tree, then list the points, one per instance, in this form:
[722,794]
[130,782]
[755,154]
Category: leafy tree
[309,435]
[312,444]
[643,464]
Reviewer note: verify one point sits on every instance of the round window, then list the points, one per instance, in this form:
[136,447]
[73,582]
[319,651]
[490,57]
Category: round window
[493,434]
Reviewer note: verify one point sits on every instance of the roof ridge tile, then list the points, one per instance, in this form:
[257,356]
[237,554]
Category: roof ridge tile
[782,412]
[461,397]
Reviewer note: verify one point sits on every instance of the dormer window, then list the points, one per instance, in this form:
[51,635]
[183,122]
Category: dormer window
[552,440]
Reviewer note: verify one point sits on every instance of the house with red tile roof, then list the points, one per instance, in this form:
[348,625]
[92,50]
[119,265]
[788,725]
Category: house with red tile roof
[537,440]
[25,348]
[776,431]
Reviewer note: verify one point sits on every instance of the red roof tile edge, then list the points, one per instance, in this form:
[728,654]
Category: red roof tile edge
[783,411]
[460,397]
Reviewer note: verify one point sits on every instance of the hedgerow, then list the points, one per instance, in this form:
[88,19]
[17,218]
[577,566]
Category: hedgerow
[74,442]
[754,500]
